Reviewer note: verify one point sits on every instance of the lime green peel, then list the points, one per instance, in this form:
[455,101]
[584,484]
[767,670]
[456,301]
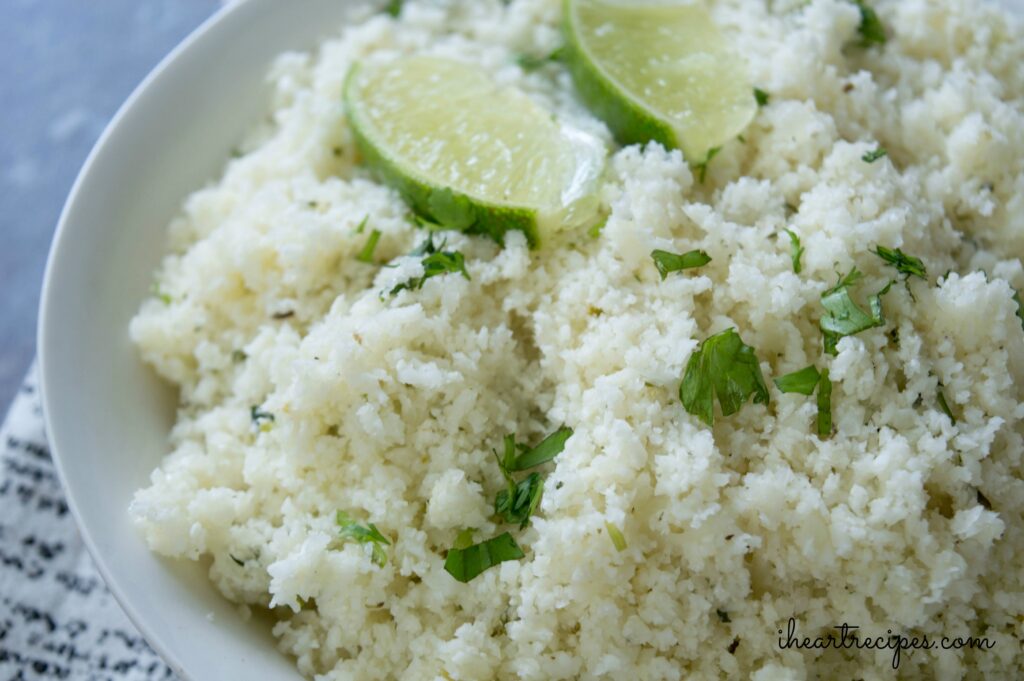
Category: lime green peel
[469,155]
[658,70]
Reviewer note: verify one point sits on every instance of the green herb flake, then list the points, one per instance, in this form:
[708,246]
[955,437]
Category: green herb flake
[434,265]
[595,231]
[796,251]
[366,255]
[238,356]
[531,62]
[673,262]
[803,382]
[394,7]
[263,420]
[465,562]
[875,155]
[844,317]
[517,503]
[871,30]
[907,265]
[761,96]
[367,534]
[723,616]
[362,225]
[157,292]
[944,405]
[825,405]
[702,167]
[723,367]
[548,449]
[615,534]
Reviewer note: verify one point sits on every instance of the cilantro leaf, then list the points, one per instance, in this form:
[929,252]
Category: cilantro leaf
[672,262]
[907,265]
[871,30]
[451,210]
[723,367]
[262,420]
[844,317]
[796,251]
[434,265]
[597,228]
[615,534]
[517,503]
[761,96]
[824,405]
[362,225]
[803,382]
[531,62]
[702,167]
[364,534]
[366,255]
[466,562]
[161,295]
[394,7]
[872,156]
[944,405]
[548,449]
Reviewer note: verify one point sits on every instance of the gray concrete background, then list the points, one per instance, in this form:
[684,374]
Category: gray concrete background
[65,68]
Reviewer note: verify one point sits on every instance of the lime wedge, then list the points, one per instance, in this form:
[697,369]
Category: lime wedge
[470,155]
[658,70]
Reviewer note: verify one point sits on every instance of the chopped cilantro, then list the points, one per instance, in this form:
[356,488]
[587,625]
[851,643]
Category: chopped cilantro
[261,419]
[761,96]
[394,7]
[366,255]
[160,294]
[364,534]
[434,265]
[615,534]
[796,251]
[238,356]
[531,62]
[517,502]
[844,317]
[465,561]
[907,265]
[723,367]
[598,227]
[803,382]
[873,156]
[362,225]
[825,405]
[723,616]
[702,167]
[871,30]
[944,405]
[548,449]
[672,262]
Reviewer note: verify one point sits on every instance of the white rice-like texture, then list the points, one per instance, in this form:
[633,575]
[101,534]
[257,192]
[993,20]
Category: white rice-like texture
[389,408]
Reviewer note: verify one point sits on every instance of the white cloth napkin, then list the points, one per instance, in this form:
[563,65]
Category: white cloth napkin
[57,619]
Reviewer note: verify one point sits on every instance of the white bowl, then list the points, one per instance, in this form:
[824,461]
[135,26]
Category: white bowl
[108,415]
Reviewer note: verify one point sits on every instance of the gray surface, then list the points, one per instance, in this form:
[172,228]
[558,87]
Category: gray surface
[65,68]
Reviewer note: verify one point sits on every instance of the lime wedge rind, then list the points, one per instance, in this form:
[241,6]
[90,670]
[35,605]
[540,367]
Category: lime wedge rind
[629,122]
[658,71]
[577,161]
